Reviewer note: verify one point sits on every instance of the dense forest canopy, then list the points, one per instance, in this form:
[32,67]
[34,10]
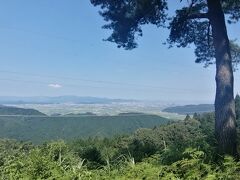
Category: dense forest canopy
[39,129]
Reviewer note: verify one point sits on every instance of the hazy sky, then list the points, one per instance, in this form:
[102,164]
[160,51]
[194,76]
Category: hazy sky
[55,47]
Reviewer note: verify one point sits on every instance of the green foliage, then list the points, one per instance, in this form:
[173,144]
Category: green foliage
[50,161]
[191,166]
[179,150]
[41,129]
[171,140]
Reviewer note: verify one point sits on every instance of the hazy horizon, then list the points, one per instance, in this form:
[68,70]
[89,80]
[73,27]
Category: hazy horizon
[163,102]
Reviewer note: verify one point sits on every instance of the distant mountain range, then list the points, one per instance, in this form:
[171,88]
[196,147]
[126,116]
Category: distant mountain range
[58,100]
[190,109]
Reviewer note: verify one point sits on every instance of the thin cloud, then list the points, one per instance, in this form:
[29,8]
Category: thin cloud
[56,86]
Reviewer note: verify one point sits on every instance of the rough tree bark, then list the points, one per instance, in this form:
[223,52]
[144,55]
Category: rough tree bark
[225,117]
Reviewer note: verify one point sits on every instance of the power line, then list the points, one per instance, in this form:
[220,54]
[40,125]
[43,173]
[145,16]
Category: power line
[46,83]
[88,80]
[94,87]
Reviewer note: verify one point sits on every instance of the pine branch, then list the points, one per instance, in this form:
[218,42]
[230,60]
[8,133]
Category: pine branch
[198,16]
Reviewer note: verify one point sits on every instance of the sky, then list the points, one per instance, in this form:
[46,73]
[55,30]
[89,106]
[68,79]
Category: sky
[56,47]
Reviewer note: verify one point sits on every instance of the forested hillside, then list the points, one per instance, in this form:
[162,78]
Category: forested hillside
[190,109]
[9,110]
[40,129]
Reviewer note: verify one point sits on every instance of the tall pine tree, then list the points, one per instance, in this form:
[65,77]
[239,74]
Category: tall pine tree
[199,22]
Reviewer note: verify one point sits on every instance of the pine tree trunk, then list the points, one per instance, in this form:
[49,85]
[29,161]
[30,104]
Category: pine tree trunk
[225,118]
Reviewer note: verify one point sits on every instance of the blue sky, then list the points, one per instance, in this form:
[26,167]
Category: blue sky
[52,48]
